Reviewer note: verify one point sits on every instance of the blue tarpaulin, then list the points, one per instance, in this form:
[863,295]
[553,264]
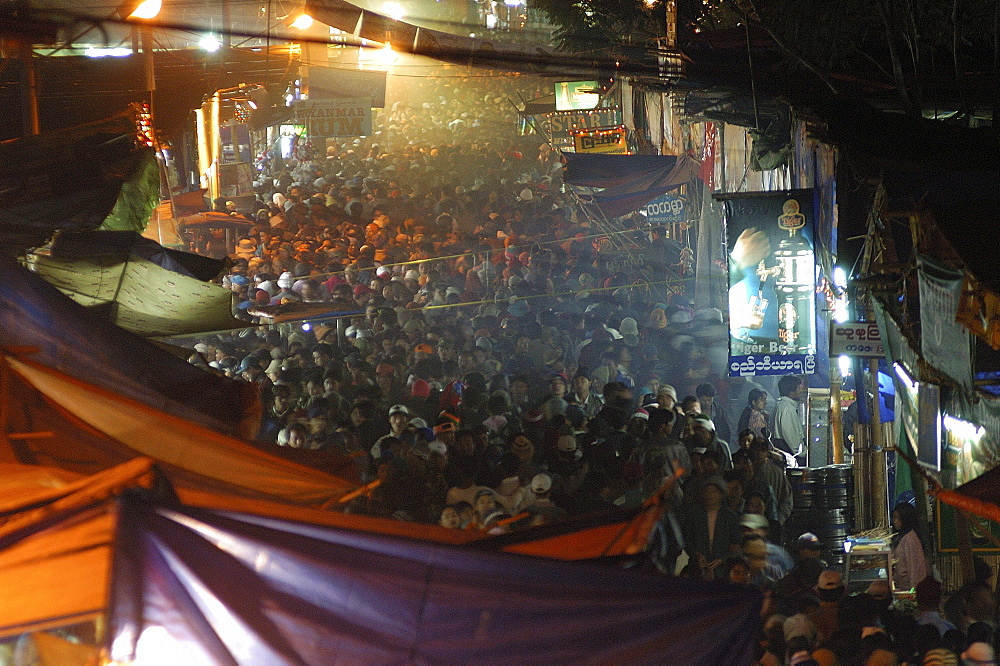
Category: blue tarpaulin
[629,181]
[225,588]
[71,339]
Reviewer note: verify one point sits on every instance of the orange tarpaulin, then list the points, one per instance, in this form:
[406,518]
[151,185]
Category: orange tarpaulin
[54,577]
[195,453]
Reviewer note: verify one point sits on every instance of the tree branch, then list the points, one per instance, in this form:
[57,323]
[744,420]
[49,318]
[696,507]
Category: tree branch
[792,51]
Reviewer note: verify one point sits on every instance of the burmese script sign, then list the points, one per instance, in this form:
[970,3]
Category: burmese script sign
[856,338]
[335,117]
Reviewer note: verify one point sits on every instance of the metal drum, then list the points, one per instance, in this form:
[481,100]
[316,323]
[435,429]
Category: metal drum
[823,503]
[805,485]
[835,489]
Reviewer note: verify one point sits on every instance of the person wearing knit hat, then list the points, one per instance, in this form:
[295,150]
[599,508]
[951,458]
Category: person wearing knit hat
[245,249]
[666,396]
[657,319]
[566,444]
[979,652]
[629,327]
[638,423]
[522,448]
[420,388]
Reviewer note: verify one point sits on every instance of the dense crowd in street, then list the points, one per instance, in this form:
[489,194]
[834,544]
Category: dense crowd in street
[491,372]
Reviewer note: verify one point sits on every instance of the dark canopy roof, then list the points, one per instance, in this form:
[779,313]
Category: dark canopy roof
[629,181]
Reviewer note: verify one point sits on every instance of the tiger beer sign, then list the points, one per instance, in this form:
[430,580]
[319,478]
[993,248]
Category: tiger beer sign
[335,117]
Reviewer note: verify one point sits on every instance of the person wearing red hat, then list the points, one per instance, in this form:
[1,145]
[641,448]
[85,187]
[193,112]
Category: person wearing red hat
[418,401]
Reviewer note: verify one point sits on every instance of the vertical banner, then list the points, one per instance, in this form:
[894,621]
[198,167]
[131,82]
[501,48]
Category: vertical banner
[772,282]
[945,343]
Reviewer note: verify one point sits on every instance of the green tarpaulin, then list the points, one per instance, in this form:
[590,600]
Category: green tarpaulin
[140,296]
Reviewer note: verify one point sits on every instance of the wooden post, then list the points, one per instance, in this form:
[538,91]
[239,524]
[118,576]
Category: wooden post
[836,414]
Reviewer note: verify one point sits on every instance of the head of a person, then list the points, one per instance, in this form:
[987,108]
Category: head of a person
[666,397]
[703,428]
[450,518]
[661,421]
[759,452]
[754,523]
[485,502]
[713,492]
[754,550]
[757,398]
[792,386]
[712,462]
[808,546]
[691,405]
[904,517]
[928,594]
[829,586]
[737,570]
[706,396]
[755,503]
[399,417]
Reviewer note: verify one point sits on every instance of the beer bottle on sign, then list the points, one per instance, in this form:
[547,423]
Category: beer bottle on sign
[794,284]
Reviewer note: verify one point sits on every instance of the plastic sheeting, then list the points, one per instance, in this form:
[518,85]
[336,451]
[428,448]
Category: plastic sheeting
[69,338]
[629,181]
[123,244]
[192,450]
[140,296]
[207,588]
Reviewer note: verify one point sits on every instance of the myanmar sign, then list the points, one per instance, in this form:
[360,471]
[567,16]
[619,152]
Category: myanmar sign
[335,117]
[666,209]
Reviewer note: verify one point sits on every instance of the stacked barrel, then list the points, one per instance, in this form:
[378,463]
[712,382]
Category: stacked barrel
[822,503]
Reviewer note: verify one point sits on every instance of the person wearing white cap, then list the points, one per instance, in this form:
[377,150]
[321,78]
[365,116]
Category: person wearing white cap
[704,435]
[399,420]
[537,500]
[779,562]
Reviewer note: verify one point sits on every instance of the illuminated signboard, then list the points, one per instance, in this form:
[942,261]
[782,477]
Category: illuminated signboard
[609,140]
[772,283]
[575,95]
[558,125]
[335,117]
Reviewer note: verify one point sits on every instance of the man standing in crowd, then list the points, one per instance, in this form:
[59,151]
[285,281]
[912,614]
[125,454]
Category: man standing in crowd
[787,429]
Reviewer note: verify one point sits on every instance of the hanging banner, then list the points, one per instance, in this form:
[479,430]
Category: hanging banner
[979,311]
[335,117]
[666,209]
[944,343]
[609,140]
[772,282]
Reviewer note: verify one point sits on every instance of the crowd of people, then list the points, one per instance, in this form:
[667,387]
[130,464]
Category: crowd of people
[483,368]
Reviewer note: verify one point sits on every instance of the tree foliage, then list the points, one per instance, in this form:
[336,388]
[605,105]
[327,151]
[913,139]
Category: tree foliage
[588,26]
[927,51]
